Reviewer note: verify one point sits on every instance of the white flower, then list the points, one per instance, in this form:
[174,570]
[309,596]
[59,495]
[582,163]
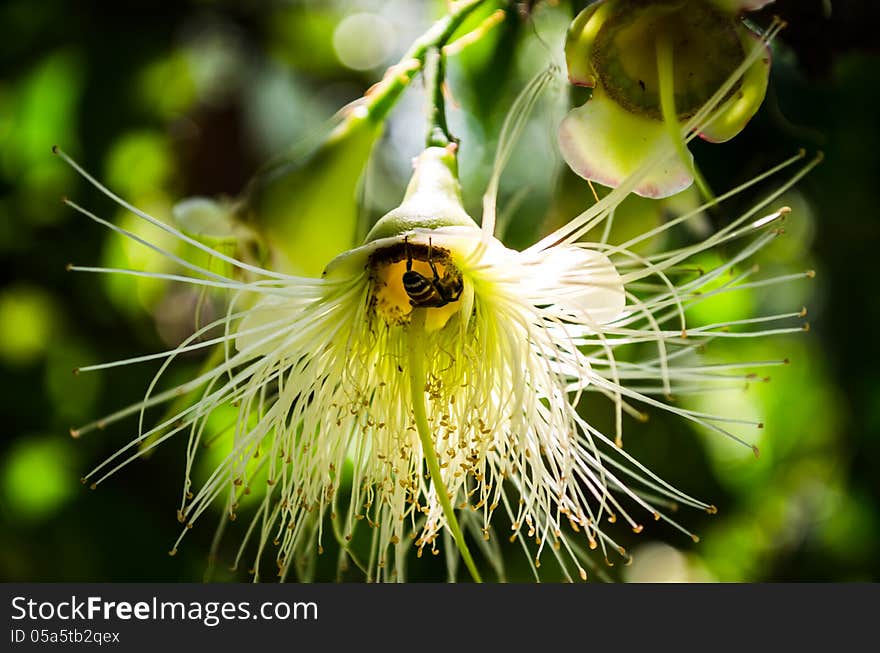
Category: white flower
[327,376]
[482,351]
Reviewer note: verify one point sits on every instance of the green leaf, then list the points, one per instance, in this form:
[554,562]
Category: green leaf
[307,207]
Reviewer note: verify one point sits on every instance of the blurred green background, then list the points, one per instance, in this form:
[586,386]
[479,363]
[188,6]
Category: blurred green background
[164,101]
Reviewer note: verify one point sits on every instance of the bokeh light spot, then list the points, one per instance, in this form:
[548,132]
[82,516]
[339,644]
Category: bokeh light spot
[363,41]
[139,162]
[656,562]
[26,317]
[37,478]
[167,85]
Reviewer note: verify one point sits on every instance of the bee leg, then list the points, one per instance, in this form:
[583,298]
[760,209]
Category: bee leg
[408,253]
[436,279]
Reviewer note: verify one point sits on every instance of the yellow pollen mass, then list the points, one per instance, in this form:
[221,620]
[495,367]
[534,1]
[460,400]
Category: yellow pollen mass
[388,297]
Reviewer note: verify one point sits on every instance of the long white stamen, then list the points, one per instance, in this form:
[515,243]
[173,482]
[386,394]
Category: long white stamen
[145,243]
[513,125]
[164,227]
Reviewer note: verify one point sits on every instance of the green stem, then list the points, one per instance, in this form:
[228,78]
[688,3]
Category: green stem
[417,379]
[666,77]
[378,101]
[383,96]
[435,73]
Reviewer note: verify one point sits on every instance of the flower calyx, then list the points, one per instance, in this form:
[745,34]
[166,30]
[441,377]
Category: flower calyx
[405,256]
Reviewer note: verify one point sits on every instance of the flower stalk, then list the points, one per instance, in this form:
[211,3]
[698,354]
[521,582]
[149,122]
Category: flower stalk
[438,130]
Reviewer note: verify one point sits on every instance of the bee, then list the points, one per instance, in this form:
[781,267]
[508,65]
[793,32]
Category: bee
[430,293]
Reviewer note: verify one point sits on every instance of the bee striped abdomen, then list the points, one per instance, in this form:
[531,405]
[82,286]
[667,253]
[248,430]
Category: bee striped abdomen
[420,290]
[434,292]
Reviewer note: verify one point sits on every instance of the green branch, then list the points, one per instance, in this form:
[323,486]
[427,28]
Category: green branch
[381,98]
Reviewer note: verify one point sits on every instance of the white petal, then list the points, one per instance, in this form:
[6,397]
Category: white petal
[582,283]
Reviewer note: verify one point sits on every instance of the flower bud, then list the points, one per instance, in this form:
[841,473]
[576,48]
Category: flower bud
[613,46]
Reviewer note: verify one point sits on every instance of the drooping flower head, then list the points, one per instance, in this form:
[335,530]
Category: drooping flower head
[433,327]
[652,65]
[432,379]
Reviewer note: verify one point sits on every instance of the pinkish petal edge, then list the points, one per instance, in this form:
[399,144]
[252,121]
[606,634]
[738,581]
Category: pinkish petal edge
[739,6]
[603,142]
